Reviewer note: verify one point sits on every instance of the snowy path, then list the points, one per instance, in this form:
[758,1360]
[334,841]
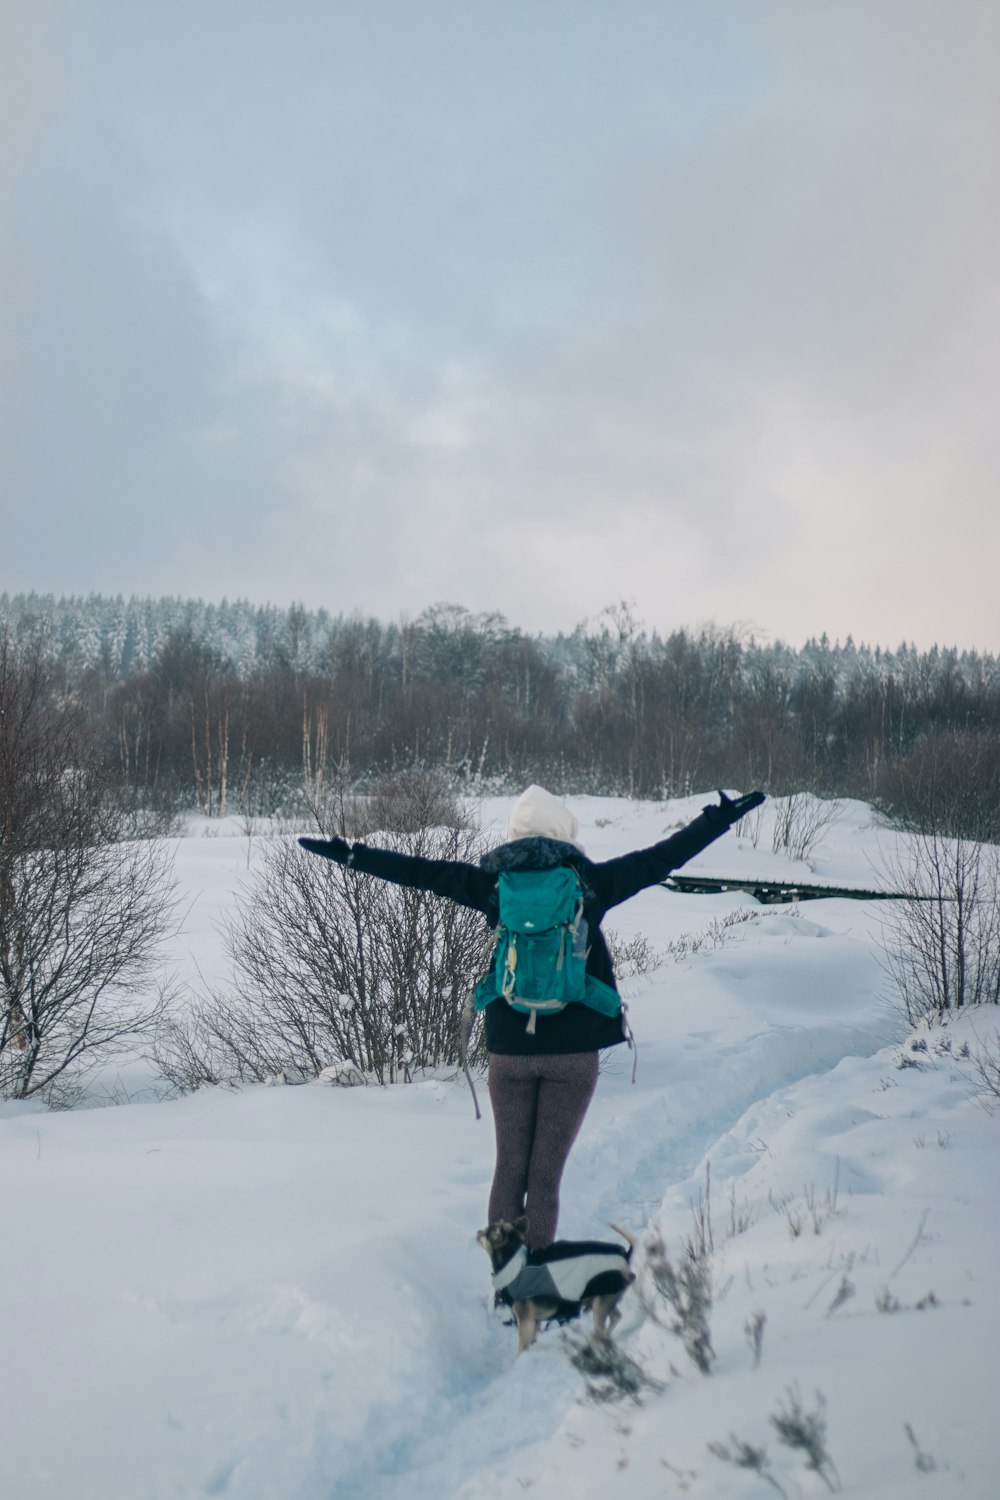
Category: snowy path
[475,1405]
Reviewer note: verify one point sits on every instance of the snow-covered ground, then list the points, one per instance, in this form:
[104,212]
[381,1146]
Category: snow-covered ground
[277,1293]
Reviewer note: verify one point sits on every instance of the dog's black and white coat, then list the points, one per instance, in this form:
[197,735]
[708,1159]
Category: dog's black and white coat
[560,1281]
[571,1271]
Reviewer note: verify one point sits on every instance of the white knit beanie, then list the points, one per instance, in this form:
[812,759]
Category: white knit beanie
[537,814]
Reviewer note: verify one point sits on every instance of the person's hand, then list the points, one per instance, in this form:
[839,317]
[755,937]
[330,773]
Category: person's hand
[730,810]
[335,849]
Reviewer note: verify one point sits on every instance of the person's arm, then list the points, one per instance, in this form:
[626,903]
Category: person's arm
[465,884]
[615,880]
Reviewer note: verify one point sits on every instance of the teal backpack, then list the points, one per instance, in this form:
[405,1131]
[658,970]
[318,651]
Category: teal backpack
[540,961]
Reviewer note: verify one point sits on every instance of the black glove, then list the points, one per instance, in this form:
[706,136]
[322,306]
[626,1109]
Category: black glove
[335,849]
[729,811]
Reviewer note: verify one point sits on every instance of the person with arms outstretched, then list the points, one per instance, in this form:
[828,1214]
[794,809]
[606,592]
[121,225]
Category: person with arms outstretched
[543,1062]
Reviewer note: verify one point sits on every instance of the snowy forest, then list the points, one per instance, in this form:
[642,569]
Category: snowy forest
[238,708]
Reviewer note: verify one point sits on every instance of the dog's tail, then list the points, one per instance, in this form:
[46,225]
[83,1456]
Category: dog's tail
[630,1238]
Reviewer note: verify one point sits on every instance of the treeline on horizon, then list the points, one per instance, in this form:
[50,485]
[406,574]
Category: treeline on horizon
[238,708]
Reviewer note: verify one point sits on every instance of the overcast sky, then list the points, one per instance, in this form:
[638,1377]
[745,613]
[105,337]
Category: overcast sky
[526,305]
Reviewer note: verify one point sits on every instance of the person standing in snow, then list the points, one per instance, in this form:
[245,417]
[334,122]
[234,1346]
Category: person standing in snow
[541,1079]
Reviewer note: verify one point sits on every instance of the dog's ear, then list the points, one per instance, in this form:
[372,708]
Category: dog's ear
[521,1225]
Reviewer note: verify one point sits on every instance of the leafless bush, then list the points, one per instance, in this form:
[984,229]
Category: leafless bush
[740,1219]
[415,800]
[754,1330]
[609,1373]
[687,1291]
[923,1461]
[984,1057]
[845,1291]
[189,1055]
[83,914]
[632,957]
[744,1455]
[942,947]
[948,784]
[798,1429]
[806,1432]
[333,969]
[407,803]
[750,826]
[800,822]
[715,934]
[703,1235]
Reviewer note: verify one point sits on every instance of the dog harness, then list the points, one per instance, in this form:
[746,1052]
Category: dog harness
[567,1271]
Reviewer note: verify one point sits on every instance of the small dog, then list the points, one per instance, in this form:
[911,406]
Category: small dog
[566,1278]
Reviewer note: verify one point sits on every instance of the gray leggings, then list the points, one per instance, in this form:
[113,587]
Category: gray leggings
[538,1108]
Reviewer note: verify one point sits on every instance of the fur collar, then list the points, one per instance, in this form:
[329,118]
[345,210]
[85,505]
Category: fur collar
[534,853]
[511,1269]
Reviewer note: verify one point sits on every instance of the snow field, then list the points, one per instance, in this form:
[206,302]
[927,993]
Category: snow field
[278,1292]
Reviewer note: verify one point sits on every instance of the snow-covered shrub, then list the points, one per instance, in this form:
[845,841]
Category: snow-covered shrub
[750,826]
[686,1288]
[342,1075]
[800,822]
[805,1431]
[743,1455]
[924,1461]
[942,945]
[410,802]
[716,933]
[186,1053]
[802,1431]
[632,957]
[754,1330]
[336,969]
[609,1373]
[984,1057]
[85,905]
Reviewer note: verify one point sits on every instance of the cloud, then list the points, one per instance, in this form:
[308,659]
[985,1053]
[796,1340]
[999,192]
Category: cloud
[373,305]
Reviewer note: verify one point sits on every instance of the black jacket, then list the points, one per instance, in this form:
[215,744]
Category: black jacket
[578,1028]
